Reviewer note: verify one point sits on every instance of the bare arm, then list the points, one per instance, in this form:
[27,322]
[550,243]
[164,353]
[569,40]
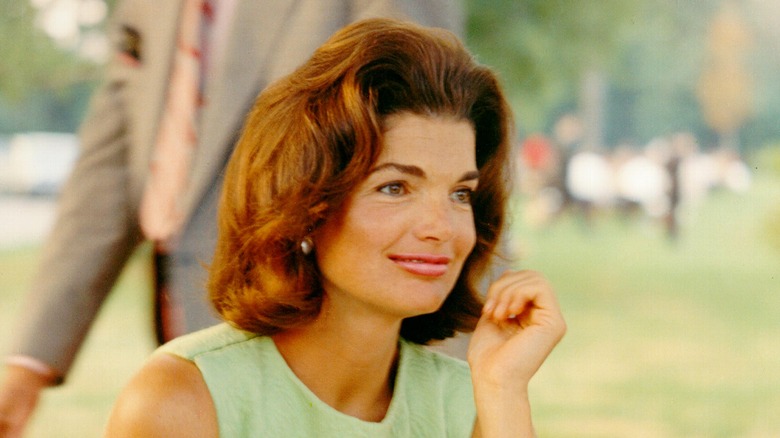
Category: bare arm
[167,398]
[520,325]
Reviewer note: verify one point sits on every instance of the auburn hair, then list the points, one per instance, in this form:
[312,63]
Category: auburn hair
[315,134]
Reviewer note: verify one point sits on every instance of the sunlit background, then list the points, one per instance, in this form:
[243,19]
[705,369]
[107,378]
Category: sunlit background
[648,191]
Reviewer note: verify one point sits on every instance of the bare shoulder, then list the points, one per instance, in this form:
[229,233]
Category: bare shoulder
[167,398]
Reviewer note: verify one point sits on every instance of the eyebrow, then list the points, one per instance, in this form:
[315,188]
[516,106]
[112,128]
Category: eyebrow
[416,171]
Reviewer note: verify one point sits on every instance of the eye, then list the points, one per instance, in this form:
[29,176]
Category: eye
[393,189]
[462,196]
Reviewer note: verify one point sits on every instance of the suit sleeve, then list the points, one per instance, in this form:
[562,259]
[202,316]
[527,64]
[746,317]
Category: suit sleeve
[94,234]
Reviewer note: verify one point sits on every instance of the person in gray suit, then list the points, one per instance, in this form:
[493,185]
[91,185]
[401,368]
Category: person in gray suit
[97,229]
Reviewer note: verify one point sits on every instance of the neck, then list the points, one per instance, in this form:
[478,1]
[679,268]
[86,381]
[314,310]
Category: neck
[349,364]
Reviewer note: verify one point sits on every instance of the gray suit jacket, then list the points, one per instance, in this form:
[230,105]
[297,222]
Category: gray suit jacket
[97,228]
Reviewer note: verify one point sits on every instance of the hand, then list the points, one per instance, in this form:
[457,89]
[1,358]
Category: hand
[520,325]
[19,394]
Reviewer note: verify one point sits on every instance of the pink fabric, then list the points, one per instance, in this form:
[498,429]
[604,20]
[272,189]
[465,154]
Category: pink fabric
[161,215]
[219,31]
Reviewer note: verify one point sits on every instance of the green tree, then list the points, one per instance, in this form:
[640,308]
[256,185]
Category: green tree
[543,48]
[660,63]
[31,60]
[42,85]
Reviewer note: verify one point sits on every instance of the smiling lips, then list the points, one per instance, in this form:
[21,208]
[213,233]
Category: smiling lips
[427,265]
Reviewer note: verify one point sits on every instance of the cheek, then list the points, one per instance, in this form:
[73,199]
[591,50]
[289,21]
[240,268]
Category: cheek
[467,235]
[346,240]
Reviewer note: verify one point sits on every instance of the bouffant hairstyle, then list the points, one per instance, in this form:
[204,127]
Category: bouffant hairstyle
[314,135]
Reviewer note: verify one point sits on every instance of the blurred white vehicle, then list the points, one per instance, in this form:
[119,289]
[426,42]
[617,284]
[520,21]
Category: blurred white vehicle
[37,163]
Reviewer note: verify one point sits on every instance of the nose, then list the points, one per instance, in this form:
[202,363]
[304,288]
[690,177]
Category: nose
[436,220]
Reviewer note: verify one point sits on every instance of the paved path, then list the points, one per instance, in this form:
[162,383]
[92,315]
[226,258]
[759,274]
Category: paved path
[24,220]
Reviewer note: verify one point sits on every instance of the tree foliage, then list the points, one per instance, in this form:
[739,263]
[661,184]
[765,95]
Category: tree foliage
[653,54]
[43,86]
[31,60]
[542,47]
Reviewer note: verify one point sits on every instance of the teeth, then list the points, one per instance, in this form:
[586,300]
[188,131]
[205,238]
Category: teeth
[423,261]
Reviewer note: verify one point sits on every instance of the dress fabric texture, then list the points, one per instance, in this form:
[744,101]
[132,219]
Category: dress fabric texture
[256,394]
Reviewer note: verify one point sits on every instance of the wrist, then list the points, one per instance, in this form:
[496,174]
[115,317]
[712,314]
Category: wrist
[497,380]
[512,396]
[32,371]
[503,410]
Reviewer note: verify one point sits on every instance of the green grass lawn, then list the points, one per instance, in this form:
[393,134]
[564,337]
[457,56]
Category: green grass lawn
[665,339]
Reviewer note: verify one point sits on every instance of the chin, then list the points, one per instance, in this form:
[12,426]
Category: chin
[426,305]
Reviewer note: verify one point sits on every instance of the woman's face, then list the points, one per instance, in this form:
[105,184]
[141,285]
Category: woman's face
[400,240]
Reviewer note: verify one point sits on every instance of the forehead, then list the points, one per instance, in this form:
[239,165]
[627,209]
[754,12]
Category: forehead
[411,137]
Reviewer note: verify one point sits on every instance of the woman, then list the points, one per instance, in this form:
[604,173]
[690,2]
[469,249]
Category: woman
[361,206]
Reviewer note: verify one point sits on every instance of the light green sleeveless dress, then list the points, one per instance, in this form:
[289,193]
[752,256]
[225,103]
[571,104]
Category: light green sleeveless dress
[257,395]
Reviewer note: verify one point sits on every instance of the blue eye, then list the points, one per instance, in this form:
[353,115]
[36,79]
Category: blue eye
[394,189]
[462,196]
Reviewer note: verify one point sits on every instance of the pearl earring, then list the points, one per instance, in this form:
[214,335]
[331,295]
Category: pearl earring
[307,245]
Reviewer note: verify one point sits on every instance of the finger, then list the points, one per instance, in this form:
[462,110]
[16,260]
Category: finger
[514,293]
[534,307]
[506,279]
[500,296]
